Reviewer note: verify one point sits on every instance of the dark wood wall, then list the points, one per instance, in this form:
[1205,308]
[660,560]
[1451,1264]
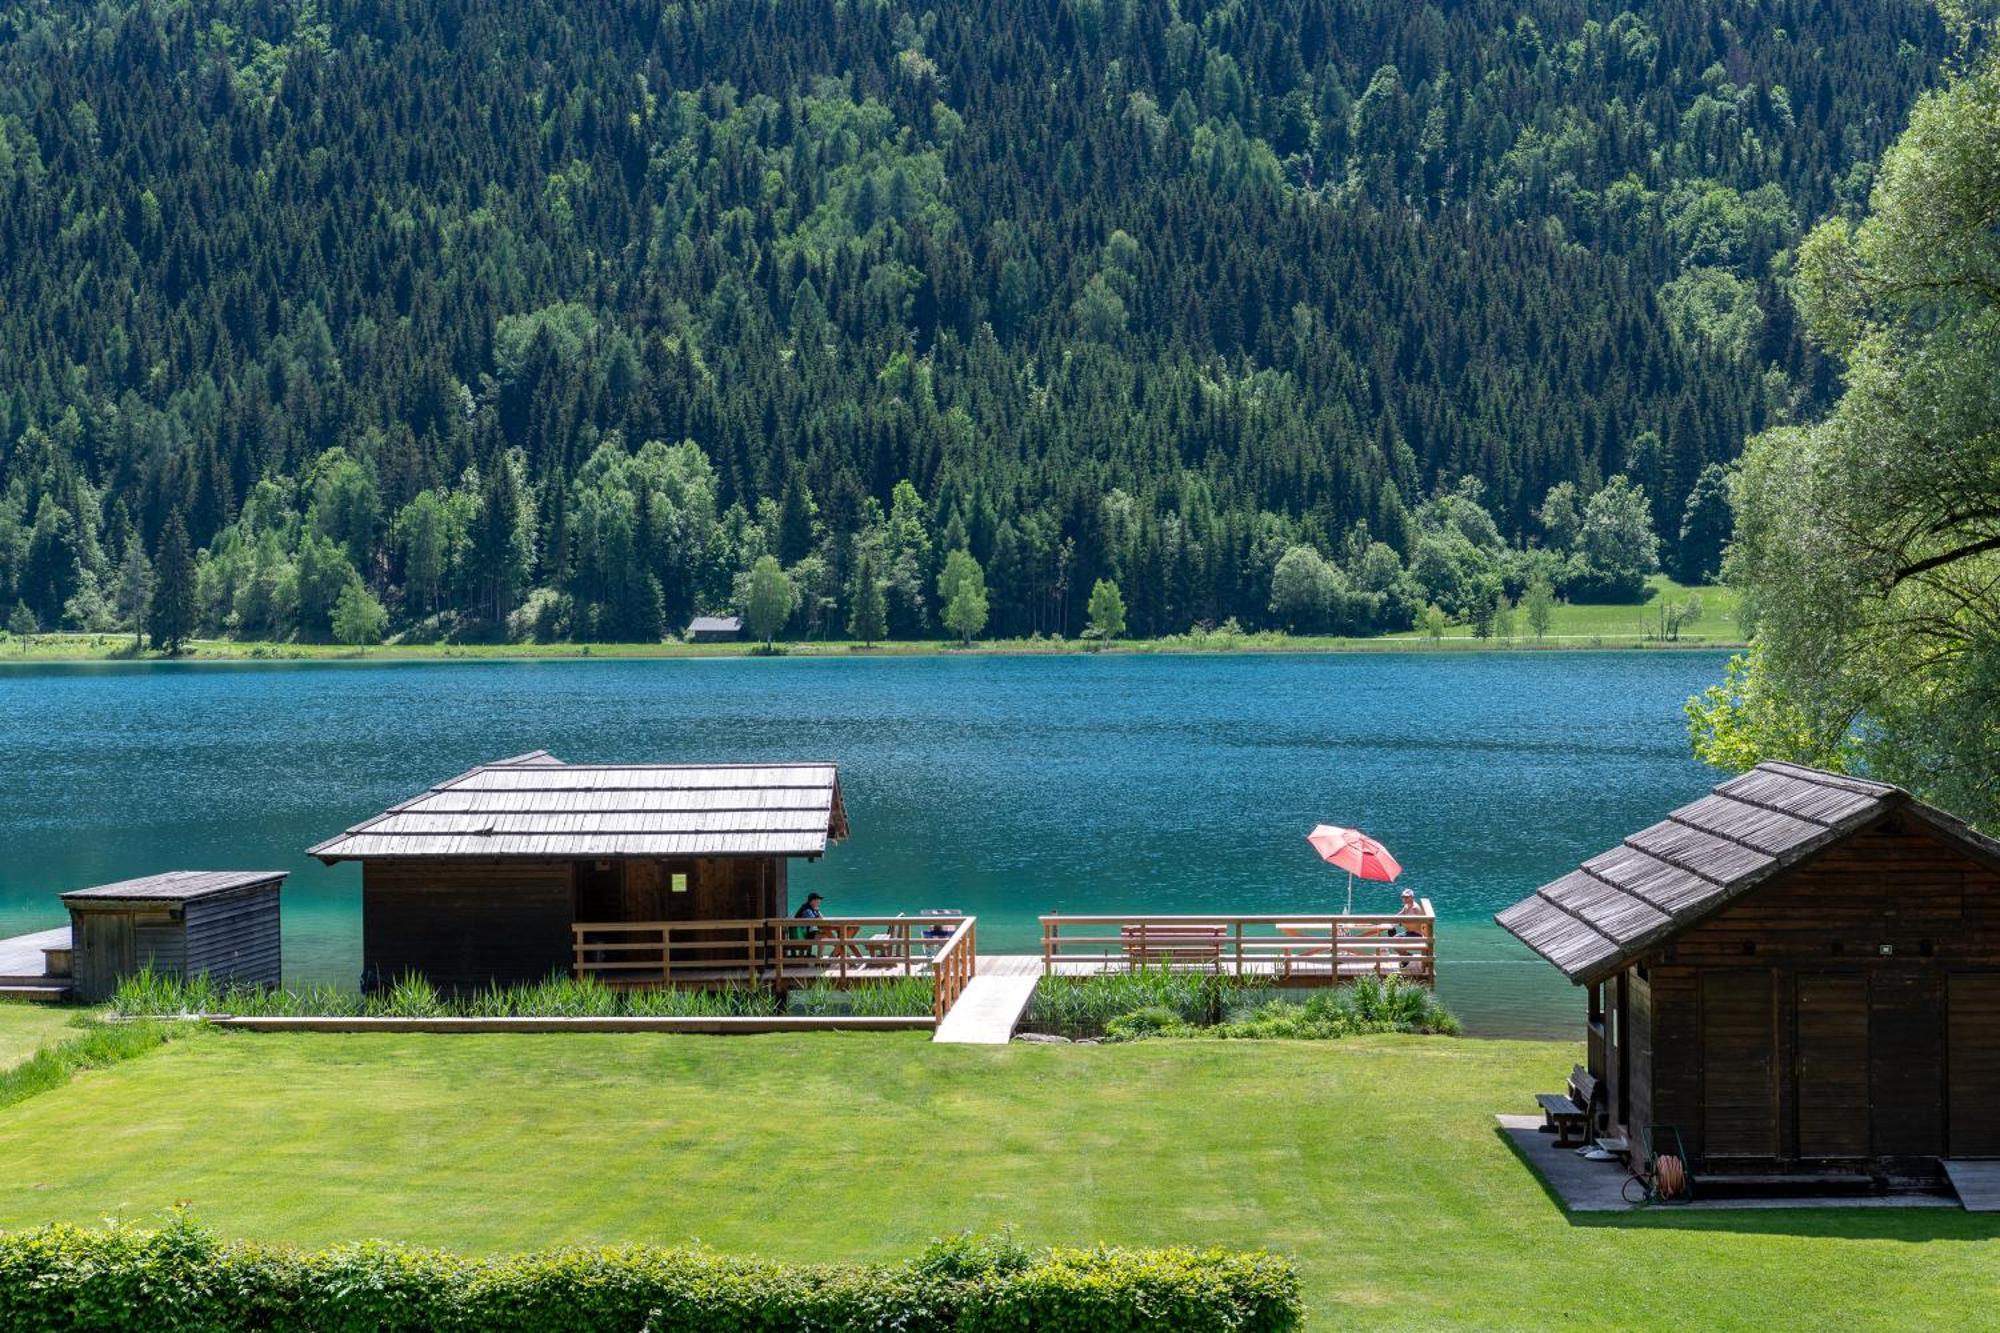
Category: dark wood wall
[231,936]
[1849,1010]
[467,924]
[237,937]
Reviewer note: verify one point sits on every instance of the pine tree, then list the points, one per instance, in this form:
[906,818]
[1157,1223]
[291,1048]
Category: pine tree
[1705,528]
[868,607]
[170,611]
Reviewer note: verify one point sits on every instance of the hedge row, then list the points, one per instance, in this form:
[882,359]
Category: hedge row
[182,1277]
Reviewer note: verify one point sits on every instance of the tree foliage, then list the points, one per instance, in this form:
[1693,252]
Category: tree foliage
[585,318]
[1868,543]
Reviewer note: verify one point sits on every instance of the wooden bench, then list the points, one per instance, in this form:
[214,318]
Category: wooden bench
[1172,944]
[1568,1114]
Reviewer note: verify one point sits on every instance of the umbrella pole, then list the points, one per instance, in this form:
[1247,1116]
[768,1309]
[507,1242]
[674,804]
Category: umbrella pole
[1350,893]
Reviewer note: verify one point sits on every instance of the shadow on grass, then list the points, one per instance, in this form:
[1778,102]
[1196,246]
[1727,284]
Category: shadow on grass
[1831,1220]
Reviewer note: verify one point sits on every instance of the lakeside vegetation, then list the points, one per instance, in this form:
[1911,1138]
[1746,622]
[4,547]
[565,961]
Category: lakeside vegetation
[1159,1002]
[147,994]
[1373,1163]
[1571,626]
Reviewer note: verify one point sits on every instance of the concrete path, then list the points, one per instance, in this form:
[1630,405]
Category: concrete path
[993,1002]
[1977,1183]
[1598,1187]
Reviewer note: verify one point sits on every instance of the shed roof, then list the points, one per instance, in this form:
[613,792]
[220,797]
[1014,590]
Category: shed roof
[175,886]
[1661,880]
[536,806]
[716,625]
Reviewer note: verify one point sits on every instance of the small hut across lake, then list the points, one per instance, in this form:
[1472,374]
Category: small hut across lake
[529,866]
[1799,971]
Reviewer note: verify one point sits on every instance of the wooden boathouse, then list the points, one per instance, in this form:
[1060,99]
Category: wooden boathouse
[180,923]
[1799,972]
[636,873]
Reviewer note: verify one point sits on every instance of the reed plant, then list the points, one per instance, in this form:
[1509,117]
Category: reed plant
[149,994]
[721,1002]
[1085,1006]
[899,997]
[1367,1005]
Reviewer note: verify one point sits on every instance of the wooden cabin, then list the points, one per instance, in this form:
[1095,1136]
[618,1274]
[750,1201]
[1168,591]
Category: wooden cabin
[1800,972]
[504,873]
[181,923]
[715,629]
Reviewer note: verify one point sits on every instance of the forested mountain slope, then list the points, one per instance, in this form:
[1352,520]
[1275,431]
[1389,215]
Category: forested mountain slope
[381,299]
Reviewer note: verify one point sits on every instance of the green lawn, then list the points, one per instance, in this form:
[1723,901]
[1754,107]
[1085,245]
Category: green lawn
[1373,1161]
[1580,624]
[26,1028]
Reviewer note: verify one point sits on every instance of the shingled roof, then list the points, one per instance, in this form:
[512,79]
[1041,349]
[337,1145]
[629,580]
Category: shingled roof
[1621,903]
[175,886]
[534,805]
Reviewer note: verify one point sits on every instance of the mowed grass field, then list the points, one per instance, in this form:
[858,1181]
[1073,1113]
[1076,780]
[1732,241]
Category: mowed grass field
[25,1028]
[1373,1162]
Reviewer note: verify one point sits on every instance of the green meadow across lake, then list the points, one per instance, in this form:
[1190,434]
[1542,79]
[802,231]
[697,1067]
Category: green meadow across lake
[1001,787]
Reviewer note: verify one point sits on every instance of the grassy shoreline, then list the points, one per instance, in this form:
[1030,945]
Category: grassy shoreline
[56,650]
[1575,628]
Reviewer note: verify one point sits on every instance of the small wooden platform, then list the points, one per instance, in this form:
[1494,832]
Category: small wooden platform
[1977,1183]
[24,966]
[993,1001]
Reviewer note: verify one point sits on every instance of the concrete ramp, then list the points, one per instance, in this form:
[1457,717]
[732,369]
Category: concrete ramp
[987,1011]
[1977,1183]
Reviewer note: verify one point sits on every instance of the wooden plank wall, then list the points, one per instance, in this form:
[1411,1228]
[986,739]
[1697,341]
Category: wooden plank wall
[1973,1056]
[1831,1025]
[103,951]
[1862,989]
[466,924]
[237,937]
[1638,1052]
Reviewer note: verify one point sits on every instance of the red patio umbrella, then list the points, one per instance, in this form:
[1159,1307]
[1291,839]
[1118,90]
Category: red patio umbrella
[1356,853]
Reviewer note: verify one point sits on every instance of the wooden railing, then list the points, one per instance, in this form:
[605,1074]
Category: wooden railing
[1295,948]
[953,967]
[773,951]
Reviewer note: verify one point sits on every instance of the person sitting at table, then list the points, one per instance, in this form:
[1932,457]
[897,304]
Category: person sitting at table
[1410,907]
[808,911]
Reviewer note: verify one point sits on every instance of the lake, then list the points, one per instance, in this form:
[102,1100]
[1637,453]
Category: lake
[1002,786]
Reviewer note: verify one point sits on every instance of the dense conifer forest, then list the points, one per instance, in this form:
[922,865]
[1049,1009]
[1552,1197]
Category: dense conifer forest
[343,318]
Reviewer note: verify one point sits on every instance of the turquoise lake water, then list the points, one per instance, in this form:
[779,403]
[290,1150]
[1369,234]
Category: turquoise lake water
[1007,787]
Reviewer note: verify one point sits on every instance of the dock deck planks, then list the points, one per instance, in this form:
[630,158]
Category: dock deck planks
[993,1001]
[1977,1183]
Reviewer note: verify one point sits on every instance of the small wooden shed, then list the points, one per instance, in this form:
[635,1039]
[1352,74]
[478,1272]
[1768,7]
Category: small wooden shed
[1799,971]
[715,629]
[180,923]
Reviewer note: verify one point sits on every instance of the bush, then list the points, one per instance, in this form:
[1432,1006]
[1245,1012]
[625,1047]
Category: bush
[180,1276]
[1156,1002]
[1085,1006]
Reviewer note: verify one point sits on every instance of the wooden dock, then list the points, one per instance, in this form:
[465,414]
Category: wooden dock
[24,966]
[991,1005]
[1977,1183]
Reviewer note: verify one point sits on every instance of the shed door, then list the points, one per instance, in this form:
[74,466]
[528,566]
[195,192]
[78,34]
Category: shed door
[1833,1064]
[1739,1090]
[1974,1061]
[1906,1062]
